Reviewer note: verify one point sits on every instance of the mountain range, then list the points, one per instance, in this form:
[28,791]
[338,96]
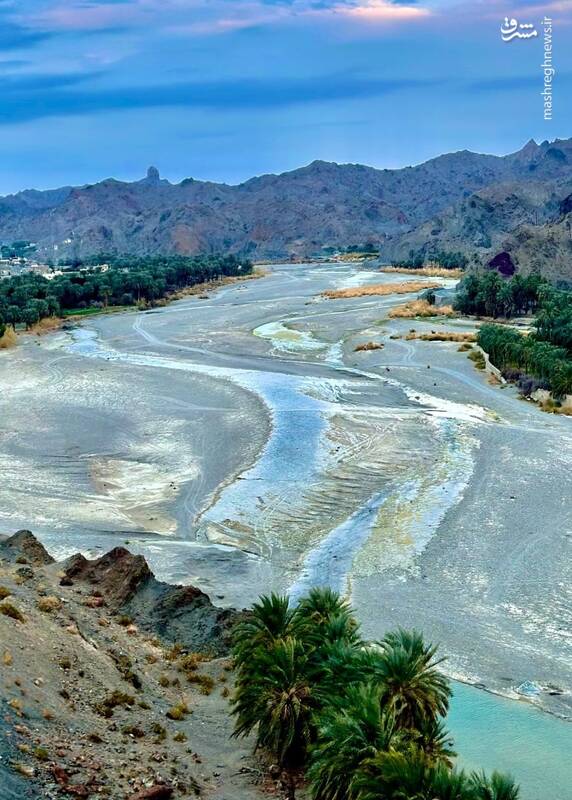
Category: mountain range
[482,205]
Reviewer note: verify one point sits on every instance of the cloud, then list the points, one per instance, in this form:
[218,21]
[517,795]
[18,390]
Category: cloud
[204,17]
[17,37]
[29,99]
[382,11]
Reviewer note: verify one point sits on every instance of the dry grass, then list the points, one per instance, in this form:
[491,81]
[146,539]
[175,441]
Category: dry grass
[478,359]
[426,272]
[202,289]
[10,610]
[382,289]
[550,407]
[46,325]
[49,604]
[178,712]
[421,308]
[10,338]
[368,346]
[443,336]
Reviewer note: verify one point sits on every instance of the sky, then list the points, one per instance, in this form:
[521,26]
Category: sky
[223,90]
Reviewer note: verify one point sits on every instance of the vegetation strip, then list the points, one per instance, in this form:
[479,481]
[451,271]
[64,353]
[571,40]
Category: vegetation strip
[355,720]
[539,360]
[121,281]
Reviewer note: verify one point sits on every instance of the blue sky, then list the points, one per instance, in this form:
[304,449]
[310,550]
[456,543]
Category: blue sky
[226,89]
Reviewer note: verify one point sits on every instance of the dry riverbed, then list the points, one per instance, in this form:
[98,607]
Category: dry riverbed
[242,445]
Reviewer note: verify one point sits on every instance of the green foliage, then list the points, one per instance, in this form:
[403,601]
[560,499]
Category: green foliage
[130,280]
[540,360]
[441,258]
[497,787]
[345,738]
[489,295]
[412,687]
[519,356]
[366,720]
[19,249]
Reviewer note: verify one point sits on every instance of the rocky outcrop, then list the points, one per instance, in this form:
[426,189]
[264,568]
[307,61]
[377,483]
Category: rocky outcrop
[118,575]
[24,548]
[91,705]
[173,613]
[503,264]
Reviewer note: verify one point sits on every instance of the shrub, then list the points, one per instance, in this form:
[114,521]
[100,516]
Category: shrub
[10,610]
[49,604]
[178,712]
[4,592]
[159,731]
[116,699]
[204,681]
[368,346]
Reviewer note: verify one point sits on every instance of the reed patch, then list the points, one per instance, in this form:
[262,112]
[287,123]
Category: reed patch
[380,289]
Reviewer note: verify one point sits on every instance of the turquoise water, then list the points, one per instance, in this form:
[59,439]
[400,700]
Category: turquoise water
[491,732]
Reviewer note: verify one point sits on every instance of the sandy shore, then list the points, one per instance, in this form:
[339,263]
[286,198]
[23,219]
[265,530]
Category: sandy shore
[242,445]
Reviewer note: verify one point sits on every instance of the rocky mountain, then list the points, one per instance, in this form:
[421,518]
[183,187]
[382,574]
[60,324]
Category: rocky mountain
[462,201]
[525,222]
[112,683]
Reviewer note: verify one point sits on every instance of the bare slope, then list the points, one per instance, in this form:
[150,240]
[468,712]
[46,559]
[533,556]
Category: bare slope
[443,202]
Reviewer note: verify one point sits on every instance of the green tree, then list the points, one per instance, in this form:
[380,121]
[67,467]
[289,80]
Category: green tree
[413,689]
[274,700]
[346,737]
[269,621]
[408,775]
[497,787]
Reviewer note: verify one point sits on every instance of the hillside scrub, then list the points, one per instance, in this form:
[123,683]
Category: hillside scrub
[358,720]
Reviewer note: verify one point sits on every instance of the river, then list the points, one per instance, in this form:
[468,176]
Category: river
[242,444]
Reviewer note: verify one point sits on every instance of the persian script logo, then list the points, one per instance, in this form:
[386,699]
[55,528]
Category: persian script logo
[511,29]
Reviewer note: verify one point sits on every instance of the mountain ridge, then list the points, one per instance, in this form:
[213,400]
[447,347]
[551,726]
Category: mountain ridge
[312,210]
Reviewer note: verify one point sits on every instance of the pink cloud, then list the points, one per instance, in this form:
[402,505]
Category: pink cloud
[382,11]
[204,17]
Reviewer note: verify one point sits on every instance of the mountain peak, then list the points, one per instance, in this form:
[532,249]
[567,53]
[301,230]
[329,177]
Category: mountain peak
[153,175]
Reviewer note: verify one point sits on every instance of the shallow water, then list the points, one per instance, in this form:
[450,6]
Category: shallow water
[492,732]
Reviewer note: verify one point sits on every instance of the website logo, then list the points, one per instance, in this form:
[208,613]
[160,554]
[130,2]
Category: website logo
[512,29]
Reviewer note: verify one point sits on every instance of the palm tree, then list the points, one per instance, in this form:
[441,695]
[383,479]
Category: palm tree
[407,775]
[435,741]
[274,698]
[497,787]
[320,605]
[346,737]
[412,687]
[269,621]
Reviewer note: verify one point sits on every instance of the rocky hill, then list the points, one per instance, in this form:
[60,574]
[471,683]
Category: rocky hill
[112,684]
[462,201]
